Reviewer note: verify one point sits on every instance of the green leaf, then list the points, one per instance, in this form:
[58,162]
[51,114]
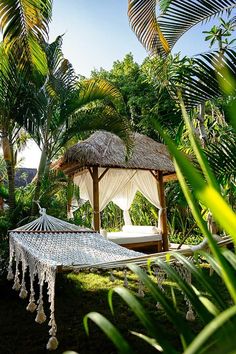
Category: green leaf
[143,20]
[156,330]
[211,198]
[181,15]
[149,340]
[170,310]
[187,289]
[202,278]
[110,330]
[24,24]
[209,330]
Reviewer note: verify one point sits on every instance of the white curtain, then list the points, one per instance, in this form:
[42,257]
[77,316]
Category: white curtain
[125,198]
[120,186]
[85,183]
[111,184]
[148,186]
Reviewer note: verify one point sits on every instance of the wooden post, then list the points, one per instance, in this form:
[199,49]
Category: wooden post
[96,215]
[163,214]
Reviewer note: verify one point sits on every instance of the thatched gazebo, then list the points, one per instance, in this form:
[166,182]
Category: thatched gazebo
[100,167]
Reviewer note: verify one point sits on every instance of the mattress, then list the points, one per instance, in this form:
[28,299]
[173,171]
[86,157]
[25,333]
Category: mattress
[123,238]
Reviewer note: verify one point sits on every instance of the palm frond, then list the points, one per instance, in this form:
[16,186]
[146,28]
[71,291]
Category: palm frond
[180,15]
[143,21]
[203,77]
[206,79]
[85,121]
[159,34]
[24,24]
[222,159]
[61,72]
[99,89]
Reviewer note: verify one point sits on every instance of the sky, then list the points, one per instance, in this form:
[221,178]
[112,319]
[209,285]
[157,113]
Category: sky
[97,33]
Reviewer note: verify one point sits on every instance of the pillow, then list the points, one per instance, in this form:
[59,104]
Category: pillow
[141,229]
[103,232]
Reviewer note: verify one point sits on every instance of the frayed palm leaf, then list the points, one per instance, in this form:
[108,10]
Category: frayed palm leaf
[159,34]
[24,23]
[222,159]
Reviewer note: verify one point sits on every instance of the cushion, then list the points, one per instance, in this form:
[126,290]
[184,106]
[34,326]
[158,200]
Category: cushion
[123,238]
[151,230]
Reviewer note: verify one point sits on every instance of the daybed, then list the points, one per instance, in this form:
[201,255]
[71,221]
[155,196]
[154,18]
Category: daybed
[137,237]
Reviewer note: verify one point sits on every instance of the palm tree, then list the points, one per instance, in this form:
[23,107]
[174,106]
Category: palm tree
[67,107]
[160,33]
[12,105]
[24,25]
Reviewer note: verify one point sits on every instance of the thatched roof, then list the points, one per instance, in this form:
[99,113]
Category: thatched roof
[104,149]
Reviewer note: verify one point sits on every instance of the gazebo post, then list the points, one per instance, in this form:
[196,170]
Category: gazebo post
[163,213]
[96,215]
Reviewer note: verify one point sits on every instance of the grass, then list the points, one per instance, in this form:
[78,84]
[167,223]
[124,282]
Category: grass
[76,295]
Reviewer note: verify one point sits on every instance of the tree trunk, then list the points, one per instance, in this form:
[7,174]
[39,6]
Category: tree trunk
[201,127]
[40,174]
[10,165]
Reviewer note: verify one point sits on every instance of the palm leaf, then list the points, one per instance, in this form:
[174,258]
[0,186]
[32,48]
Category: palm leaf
[204,83]
[89,120]
[180,15]
[159,34]
[142,16]
[203,77]
[216,324]
[154,330]
[222,158]
[99,89]
[110,330]
[24,24]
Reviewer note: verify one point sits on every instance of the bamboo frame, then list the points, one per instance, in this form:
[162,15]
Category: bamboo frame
[163,215]
[93,170]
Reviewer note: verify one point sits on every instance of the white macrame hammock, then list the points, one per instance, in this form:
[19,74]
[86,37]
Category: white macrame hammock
[48,244]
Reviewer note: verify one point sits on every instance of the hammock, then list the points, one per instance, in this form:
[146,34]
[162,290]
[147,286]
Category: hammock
[48,245]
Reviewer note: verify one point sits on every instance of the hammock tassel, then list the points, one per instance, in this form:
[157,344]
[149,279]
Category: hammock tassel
[23,293]
[52,343]
[140,289]
[41,317]
[112,278]
[190,315]
[16,285]
[125,284]
[31,306]
[10,275]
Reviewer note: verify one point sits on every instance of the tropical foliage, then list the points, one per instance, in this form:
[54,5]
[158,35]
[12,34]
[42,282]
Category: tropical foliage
[185,102]
[160,33]
[218,317]
[24,25]
[199,186]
